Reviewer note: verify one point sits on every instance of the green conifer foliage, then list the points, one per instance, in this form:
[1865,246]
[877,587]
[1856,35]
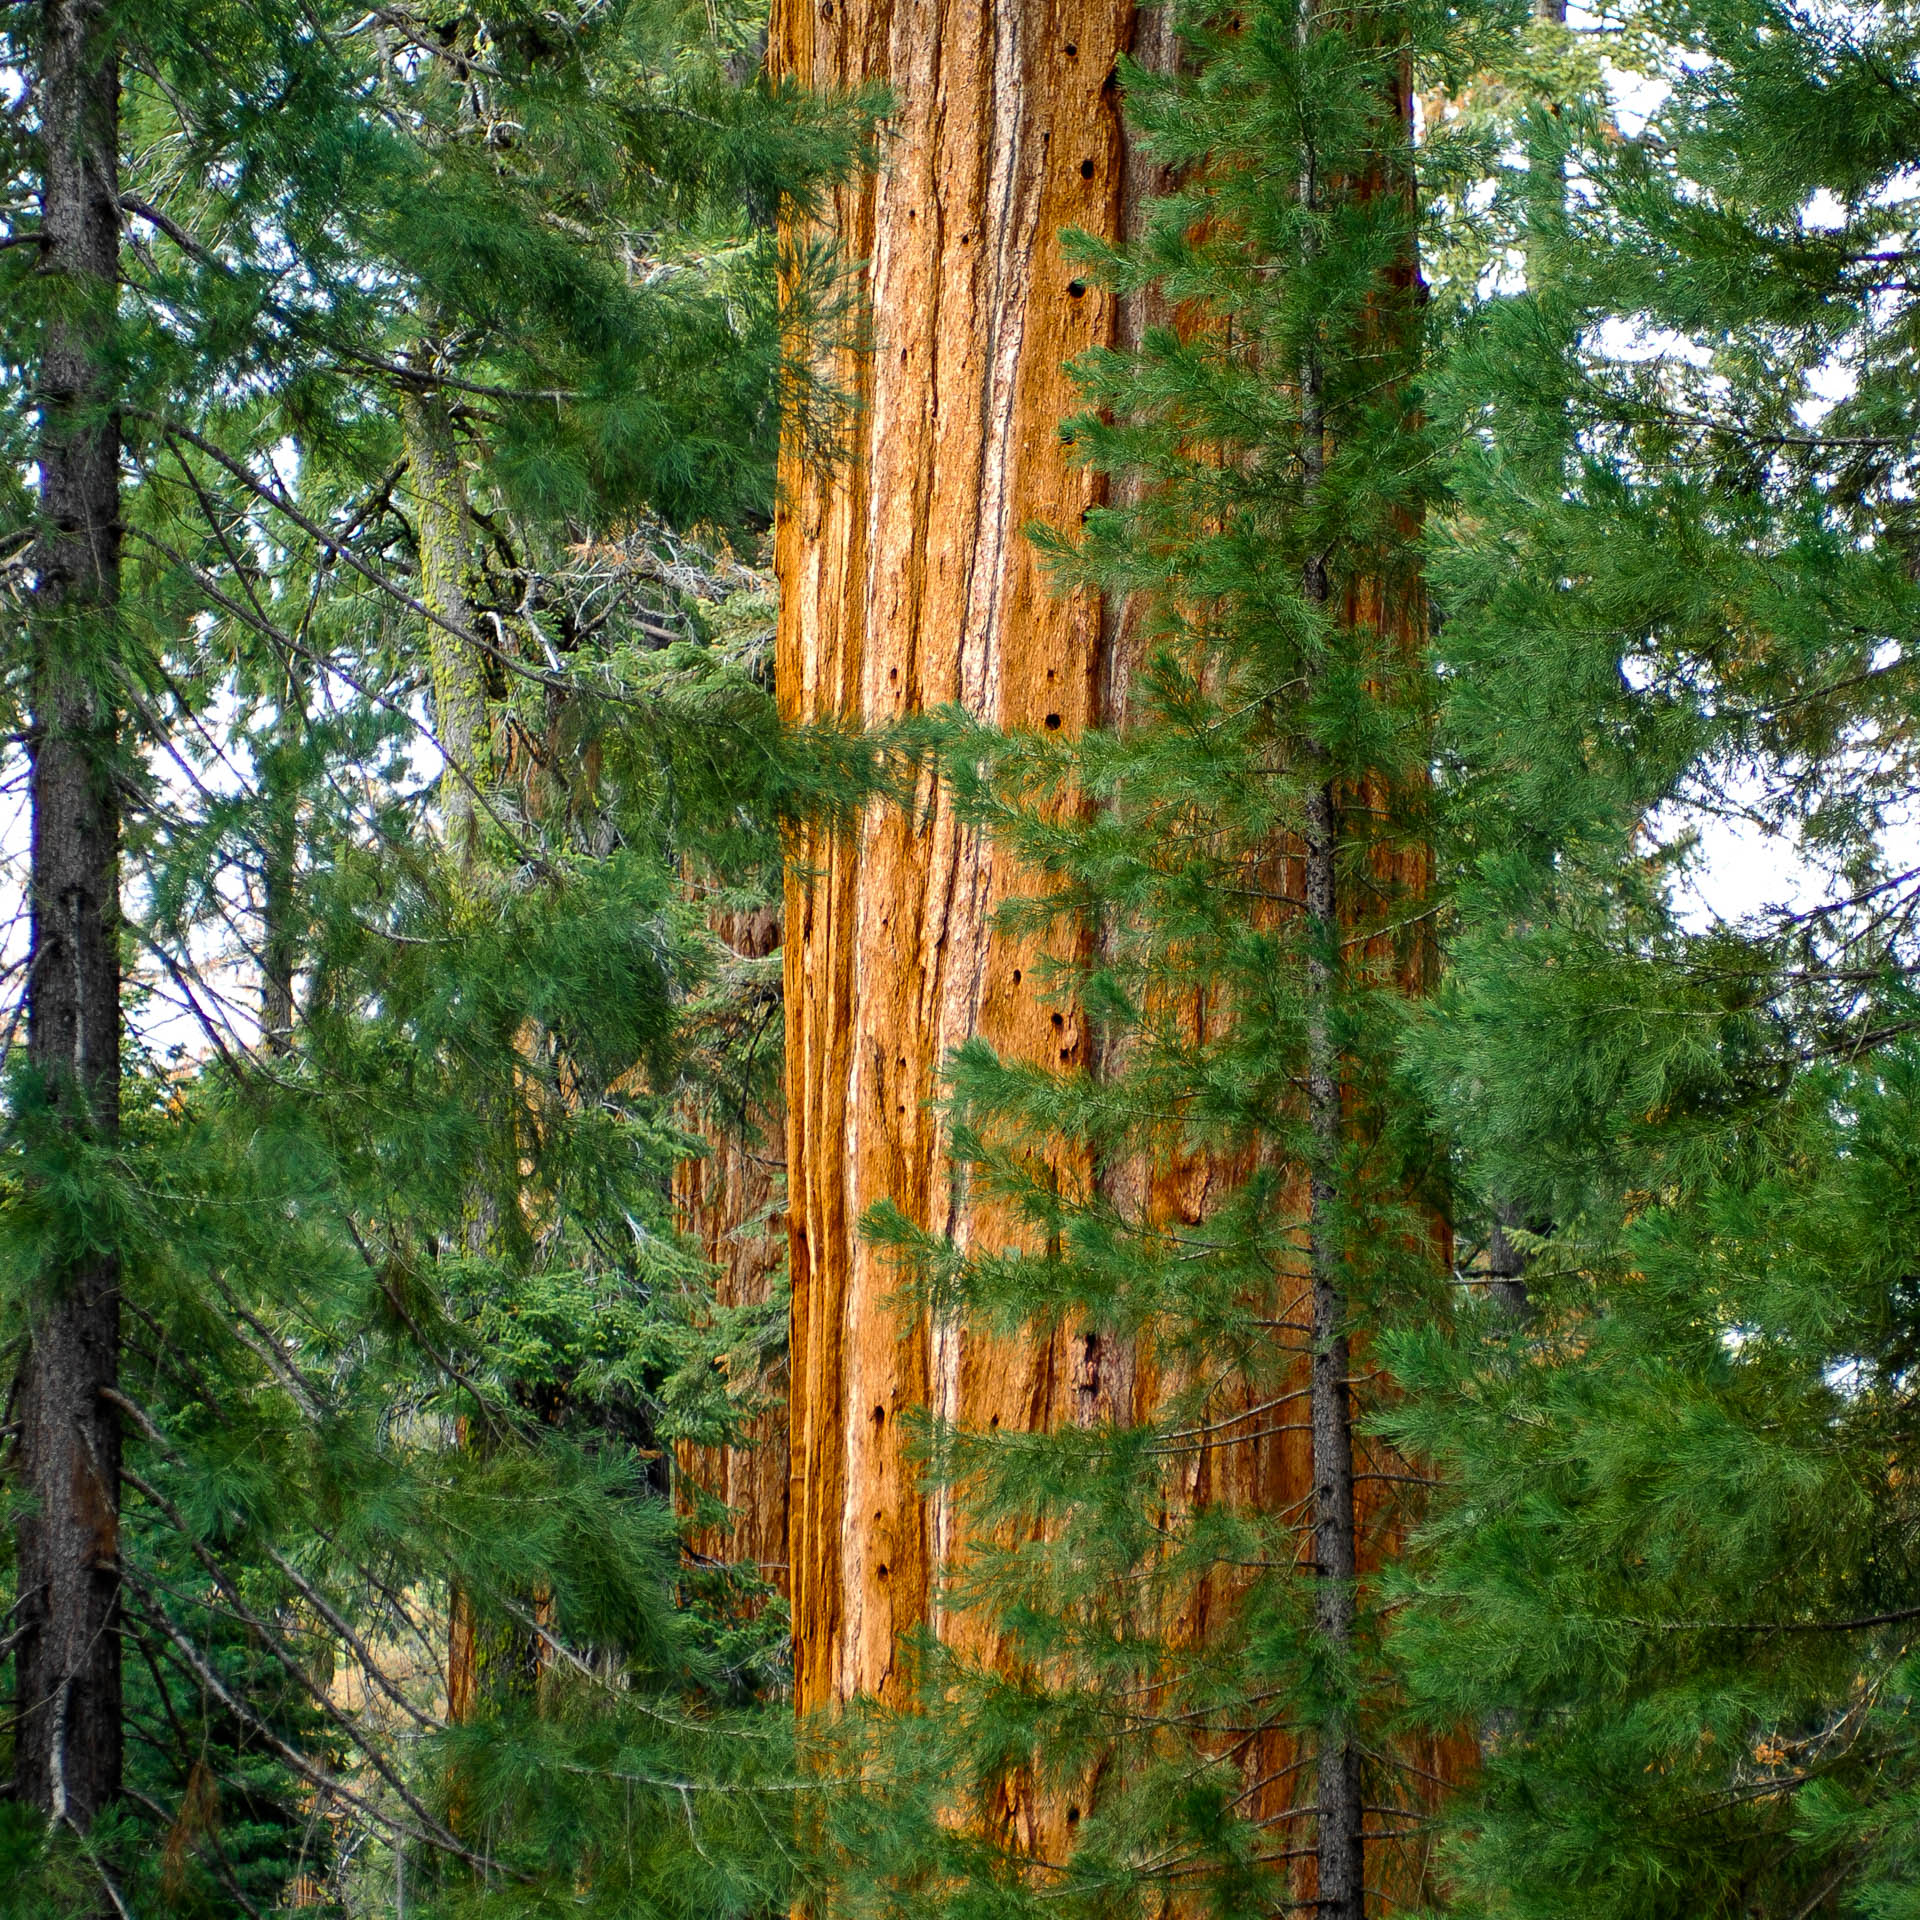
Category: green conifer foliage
[551,227]
[1182,1585]
[1673,1576]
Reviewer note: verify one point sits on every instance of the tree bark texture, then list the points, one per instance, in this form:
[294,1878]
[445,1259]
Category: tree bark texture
[1506,1264]
[733,1202]
[67,1742]
[905,584]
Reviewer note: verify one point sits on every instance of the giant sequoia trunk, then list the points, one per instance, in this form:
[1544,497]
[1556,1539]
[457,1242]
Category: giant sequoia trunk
[905,584]
[67,1738]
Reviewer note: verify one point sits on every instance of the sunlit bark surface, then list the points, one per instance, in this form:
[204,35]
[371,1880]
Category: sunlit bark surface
[906,584]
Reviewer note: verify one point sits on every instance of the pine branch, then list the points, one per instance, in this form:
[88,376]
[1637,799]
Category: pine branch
[323,1783]
[369,1665]
[289,1663]
[1859,1625]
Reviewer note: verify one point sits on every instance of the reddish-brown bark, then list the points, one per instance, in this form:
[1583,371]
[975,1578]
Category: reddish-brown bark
[905,585]
[732,1201]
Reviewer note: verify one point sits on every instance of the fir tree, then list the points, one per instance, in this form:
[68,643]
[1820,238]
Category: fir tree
[1672,1578]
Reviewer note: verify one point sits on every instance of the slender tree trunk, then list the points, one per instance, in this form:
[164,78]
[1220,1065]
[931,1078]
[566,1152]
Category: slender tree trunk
[1506,1263]
[479,1659]
[280,859]
[456,669]
[1340,1824]
[1339,1844]
[1340,1850]
[280,952]
[67,1740]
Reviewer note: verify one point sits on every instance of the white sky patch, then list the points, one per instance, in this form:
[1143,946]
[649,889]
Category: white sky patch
[1831,382]
[1824,213]
[1620,337]
[1636,97]
[1741,872]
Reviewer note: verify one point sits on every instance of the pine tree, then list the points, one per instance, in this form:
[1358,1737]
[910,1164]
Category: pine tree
[1157,1682]
[1672,1576]
[391,1036]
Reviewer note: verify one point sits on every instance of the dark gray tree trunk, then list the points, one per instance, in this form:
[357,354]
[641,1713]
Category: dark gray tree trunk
[1340,1850]
[67,1465]
[1340,1847]
[1505,1262]
[280,943]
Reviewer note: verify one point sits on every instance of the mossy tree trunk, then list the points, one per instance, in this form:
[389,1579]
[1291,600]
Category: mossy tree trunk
[455,666]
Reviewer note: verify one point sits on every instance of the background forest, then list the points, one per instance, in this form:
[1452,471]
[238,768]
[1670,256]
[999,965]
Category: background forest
[961,961]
